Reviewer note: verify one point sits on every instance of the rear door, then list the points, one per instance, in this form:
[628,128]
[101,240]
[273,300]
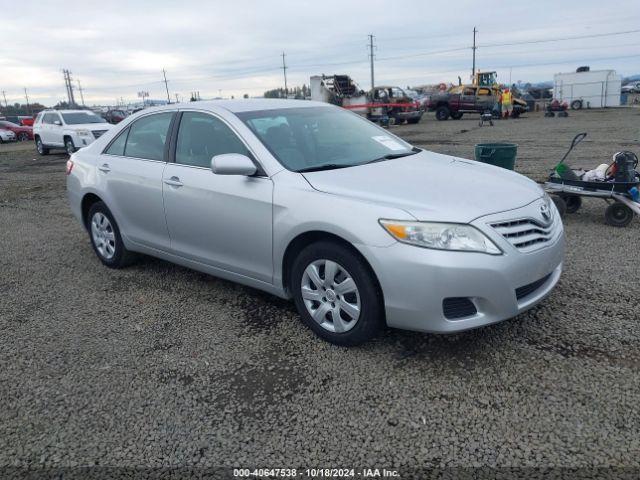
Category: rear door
[221,220]
[130,171]
[484,99]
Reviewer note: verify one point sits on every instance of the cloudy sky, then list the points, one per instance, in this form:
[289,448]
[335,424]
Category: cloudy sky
[117,48]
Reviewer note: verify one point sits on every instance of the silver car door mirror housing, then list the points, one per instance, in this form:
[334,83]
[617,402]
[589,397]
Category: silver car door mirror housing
[233,164]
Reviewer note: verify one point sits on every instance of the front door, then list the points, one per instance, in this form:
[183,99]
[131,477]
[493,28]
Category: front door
[221,220]
[468,99]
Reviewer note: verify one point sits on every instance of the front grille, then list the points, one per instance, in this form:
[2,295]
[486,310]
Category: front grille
[527,290]
[97,133]
[525,234]
[458,307]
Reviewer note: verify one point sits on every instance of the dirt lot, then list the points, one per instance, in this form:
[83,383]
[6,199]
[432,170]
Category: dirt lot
[158,366]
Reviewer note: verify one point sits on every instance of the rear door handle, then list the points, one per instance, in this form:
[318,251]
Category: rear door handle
[173,181]
[104,168]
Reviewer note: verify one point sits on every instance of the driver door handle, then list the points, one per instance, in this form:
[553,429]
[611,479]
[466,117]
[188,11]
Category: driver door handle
[173,181]
[104,168]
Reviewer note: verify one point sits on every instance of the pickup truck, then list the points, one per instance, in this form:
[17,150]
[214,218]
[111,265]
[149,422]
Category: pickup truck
[462,99]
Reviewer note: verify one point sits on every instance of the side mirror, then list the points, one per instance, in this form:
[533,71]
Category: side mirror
[57,122]
[233,164]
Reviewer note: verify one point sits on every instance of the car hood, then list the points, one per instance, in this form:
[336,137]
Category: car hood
[90,126]
[431,186]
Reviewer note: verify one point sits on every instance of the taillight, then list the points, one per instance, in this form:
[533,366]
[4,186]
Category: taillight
[69,166]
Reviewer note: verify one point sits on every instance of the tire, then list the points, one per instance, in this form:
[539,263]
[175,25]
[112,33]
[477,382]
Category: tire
[515,114]
[576,105]
[69,147]
[456,115]
[413,121]
[442,113]
[549,114]
[42,150]
[105,237]
[618,215]
[563,114]
[347,330]
[573,203]
[23,136]
[561,205]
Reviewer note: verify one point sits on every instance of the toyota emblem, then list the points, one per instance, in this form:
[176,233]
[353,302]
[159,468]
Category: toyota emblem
[545,211]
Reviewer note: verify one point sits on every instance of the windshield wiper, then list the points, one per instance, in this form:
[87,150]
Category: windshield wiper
[391,156]
[318,168]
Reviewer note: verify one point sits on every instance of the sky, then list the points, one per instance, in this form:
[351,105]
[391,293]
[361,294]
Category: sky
[224,48]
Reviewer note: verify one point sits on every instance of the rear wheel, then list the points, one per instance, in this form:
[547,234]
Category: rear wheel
[573,202]
[442,113]
[42,150]
[413,121]
[105,237]
[618,215]
[336,294]
[23,136]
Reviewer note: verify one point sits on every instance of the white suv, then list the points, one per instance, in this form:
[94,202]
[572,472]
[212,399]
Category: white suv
[67,129]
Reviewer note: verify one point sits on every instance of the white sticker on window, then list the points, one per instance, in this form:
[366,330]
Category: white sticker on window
[388,142]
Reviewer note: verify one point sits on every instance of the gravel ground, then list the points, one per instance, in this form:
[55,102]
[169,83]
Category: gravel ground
[159,366]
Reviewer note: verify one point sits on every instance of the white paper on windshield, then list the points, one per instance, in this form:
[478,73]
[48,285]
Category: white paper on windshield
[388,142]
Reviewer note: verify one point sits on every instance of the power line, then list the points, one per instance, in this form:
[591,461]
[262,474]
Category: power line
[560,39]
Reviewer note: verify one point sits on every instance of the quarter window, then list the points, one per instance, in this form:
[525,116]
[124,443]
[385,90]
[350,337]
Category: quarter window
[202,137]
[148,136]
[117,146]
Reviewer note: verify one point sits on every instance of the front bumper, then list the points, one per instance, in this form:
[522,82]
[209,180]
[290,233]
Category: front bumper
[415,281]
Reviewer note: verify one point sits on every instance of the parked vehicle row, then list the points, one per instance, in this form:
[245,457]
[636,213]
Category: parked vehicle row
[309,201]
[7,136]
[22,132]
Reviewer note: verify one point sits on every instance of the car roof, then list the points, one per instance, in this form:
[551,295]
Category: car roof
[243,105]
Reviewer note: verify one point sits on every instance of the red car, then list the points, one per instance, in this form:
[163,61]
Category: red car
[22,132]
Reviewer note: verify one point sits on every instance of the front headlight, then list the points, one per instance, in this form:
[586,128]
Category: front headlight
[83,133]
[441,236]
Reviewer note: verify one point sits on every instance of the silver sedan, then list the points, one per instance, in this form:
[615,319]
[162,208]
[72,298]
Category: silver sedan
[308,201]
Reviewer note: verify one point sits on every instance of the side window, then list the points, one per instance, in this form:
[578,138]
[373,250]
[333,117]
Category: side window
[469,91]
[147,137]
[202,137]
[117,146]
[48,118]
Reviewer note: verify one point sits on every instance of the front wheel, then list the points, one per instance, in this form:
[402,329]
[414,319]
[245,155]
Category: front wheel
[442,113]
[574,202]
[23,136]
[105,237]
[456,115]
[42,150]
[337,294]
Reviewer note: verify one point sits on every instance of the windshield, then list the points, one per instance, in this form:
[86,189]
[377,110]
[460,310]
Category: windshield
[313,137]
[78,118]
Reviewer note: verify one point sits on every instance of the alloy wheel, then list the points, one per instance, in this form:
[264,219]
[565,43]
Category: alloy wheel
[331,296]
[103,235]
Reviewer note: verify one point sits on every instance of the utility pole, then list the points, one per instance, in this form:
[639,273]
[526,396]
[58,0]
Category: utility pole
[177,101]
[81,94]
[473,68]
[284,71]
[27,97]
[166,85]
[371,47]
[5,99]
[69,86]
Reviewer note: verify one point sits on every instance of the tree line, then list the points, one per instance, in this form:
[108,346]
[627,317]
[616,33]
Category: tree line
[299,93]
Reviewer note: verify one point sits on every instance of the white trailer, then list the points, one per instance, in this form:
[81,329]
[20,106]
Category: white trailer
[591,89]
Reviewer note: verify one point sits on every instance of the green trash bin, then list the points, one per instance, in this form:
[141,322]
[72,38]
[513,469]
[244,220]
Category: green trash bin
[498,154]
